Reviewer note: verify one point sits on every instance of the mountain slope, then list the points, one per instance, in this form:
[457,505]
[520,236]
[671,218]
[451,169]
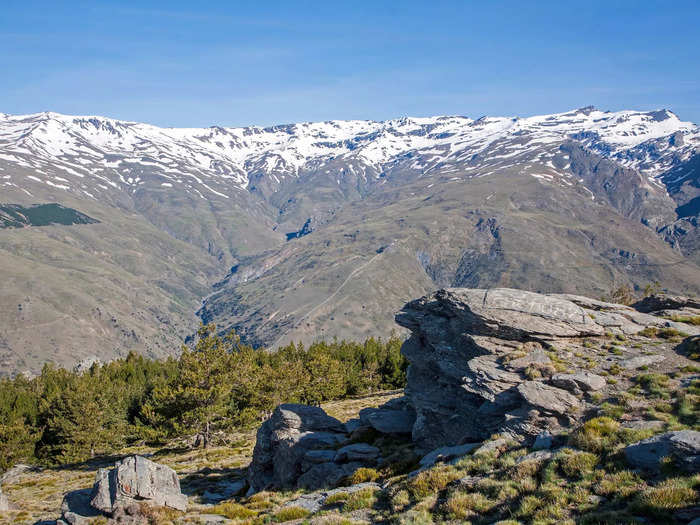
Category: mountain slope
[322,229]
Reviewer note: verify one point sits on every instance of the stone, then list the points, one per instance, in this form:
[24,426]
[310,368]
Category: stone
[284,440]
[136,478]
[641,424]
[76,508]
[460,383]
[548,398]
[640,361]
[494,446]
[4,502]
[314,457]
[444,454]
[388,421]
[224,490]
[682,445]
[314,501]
[326,475]
[543,441]
[537,357]
[361,452]
[538,455]
[351,425]
[86,364]
[583,381]
[656,302]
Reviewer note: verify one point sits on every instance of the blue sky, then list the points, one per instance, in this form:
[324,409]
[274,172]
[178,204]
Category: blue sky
[185,63]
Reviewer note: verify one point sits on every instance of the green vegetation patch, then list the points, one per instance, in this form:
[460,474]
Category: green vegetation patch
[17,216]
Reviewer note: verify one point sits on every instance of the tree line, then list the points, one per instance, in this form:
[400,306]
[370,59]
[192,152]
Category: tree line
[63,416]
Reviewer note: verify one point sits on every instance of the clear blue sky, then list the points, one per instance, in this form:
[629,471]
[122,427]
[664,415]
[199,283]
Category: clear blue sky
[189,63]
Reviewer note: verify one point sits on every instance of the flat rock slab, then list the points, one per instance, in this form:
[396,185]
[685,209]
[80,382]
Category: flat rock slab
[548,398]
[314,501]
[681,445]
[357,452]
[640,361]
[583,381]
[388,421]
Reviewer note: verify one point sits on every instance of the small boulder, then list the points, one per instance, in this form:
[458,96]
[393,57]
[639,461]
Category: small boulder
[357,452]
[494,446]
[284,440]
[443,454]
[582,381]
[76,508]
[548,398]
[682,445]
[543,441]
[388,421]
[136,478]
[326,475]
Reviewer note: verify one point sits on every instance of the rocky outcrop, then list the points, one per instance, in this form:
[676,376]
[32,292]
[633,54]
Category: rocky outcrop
[481,361]
[137,479]
[659,302]
[295,441]
[683,447]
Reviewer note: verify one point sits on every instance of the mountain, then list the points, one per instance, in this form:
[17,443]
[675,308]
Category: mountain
[311,230]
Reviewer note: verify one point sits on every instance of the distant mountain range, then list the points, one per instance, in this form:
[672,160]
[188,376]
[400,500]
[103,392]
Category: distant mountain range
[314,230]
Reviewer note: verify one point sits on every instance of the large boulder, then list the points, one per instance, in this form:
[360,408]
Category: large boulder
[137,479]
[464,382]
[284,442]
[682,446]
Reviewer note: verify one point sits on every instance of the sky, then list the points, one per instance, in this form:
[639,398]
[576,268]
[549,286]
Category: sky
[236,63]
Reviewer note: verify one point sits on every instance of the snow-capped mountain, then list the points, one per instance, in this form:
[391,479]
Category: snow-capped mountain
[311,230]
[89,155]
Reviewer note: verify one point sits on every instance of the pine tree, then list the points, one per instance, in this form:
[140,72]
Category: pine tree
[197,396]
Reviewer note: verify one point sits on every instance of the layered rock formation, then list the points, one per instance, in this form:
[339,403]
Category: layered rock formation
[486,361]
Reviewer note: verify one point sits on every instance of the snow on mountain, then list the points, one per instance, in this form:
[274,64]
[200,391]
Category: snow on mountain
[99,153]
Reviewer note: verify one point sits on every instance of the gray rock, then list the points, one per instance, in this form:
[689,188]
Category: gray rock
[326,475]
[314,501]
[388,421]
[443,454]
[353,424]
[538,356]
[495,445]
[357,452]
[315,457]
[76,508]
[656,302]
[549,398]
[583,381]
[640,360]
[543,441]
[641,424]
[682,445]
[283,442]
[4,502]
[460,382]
[538,455]
[224,490]
[136,478]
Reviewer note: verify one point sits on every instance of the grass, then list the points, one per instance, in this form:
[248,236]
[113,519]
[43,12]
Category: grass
[363,475]
[233,511]
[289,514]
[656,385]
[361,499]
[694,320]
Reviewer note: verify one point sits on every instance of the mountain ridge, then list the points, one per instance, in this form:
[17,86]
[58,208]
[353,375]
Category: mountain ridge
[294,228]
